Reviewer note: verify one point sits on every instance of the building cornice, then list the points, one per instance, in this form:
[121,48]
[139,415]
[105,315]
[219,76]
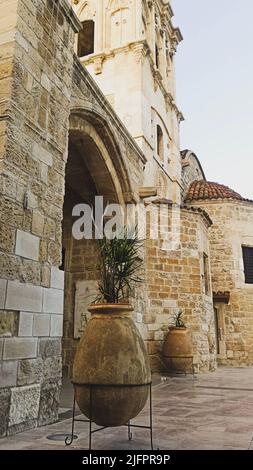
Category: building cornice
[140,49]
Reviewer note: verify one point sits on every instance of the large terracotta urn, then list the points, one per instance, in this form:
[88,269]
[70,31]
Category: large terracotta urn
[178,350]
[111,357]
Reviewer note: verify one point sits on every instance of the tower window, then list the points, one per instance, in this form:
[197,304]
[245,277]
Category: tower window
[86,39]
[248,263]
[159,142]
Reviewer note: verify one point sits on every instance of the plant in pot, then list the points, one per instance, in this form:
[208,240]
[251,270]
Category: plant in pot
[111,355]
[177,347]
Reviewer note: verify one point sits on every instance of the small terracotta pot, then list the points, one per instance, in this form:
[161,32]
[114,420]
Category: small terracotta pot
[178,350]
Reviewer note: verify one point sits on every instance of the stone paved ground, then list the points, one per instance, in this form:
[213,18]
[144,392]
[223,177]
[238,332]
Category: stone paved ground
[213,411]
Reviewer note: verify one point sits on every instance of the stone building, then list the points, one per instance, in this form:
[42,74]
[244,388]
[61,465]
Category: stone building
[231,248]
[88,108]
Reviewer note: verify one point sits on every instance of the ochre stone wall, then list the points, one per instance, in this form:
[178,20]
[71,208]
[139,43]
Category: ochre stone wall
[232,228]
[175,281]
[41,81]
[36,64]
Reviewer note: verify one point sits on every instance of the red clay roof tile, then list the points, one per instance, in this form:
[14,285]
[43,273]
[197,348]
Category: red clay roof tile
[208,190]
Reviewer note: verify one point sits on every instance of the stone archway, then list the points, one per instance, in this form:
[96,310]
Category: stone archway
[90,172]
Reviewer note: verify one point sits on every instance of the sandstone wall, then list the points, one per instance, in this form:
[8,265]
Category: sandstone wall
[41,81]
[175,281]
[232,228]
[36,63]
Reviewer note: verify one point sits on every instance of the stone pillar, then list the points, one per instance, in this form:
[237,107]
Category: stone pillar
[36,62]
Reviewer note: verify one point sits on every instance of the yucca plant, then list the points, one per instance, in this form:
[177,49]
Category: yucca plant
[120,267]
[178,321]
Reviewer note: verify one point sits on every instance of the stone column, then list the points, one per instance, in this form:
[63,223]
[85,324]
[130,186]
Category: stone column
[36,61]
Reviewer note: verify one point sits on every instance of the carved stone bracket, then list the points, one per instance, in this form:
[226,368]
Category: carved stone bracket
[98,64]
[140,49]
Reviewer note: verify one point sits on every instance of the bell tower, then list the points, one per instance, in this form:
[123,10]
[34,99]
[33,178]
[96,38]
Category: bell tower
[128,46]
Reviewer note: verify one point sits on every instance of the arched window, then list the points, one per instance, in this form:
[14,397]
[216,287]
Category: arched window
[159,142]
[86,39]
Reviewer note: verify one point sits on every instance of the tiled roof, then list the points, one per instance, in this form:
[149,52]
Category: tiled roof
[208,190]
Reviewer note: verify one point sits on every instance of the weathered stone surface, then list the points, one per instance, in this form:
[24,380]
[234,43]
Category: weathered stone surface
[42,154]
[27,245]
[49,402]
[24,404]
[37,223]
[5,395]
[25,324]
[56,325]
[45,275]
[7,239]
[232,228]
[8,323]
[9,266]
[8,374]
[1,348]
[52,368]
[20,348]
[46,82]
[29,272]
[24,297]
[22,427]
[41,325]
[30,371]
[3,286]
[53,301]
[57,278]
[49,347]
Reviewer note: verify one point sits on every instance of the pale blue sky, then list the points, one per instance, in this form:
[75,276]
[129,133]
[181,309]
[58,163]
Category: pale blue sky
[214,68]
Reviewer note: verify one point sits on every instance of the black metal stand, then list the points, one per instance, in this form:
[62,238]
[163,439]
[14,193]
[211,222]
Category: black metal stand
[70,438]
[180,357]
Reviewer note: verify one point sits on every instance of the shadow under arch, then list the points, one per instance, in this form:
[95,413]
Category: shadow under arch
[97,144]
[95,167]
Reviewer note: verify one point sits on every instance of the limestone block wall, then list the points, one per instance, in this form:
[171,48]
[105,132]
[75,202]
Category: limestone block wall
[36,62]
[175,281]
[232,228]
